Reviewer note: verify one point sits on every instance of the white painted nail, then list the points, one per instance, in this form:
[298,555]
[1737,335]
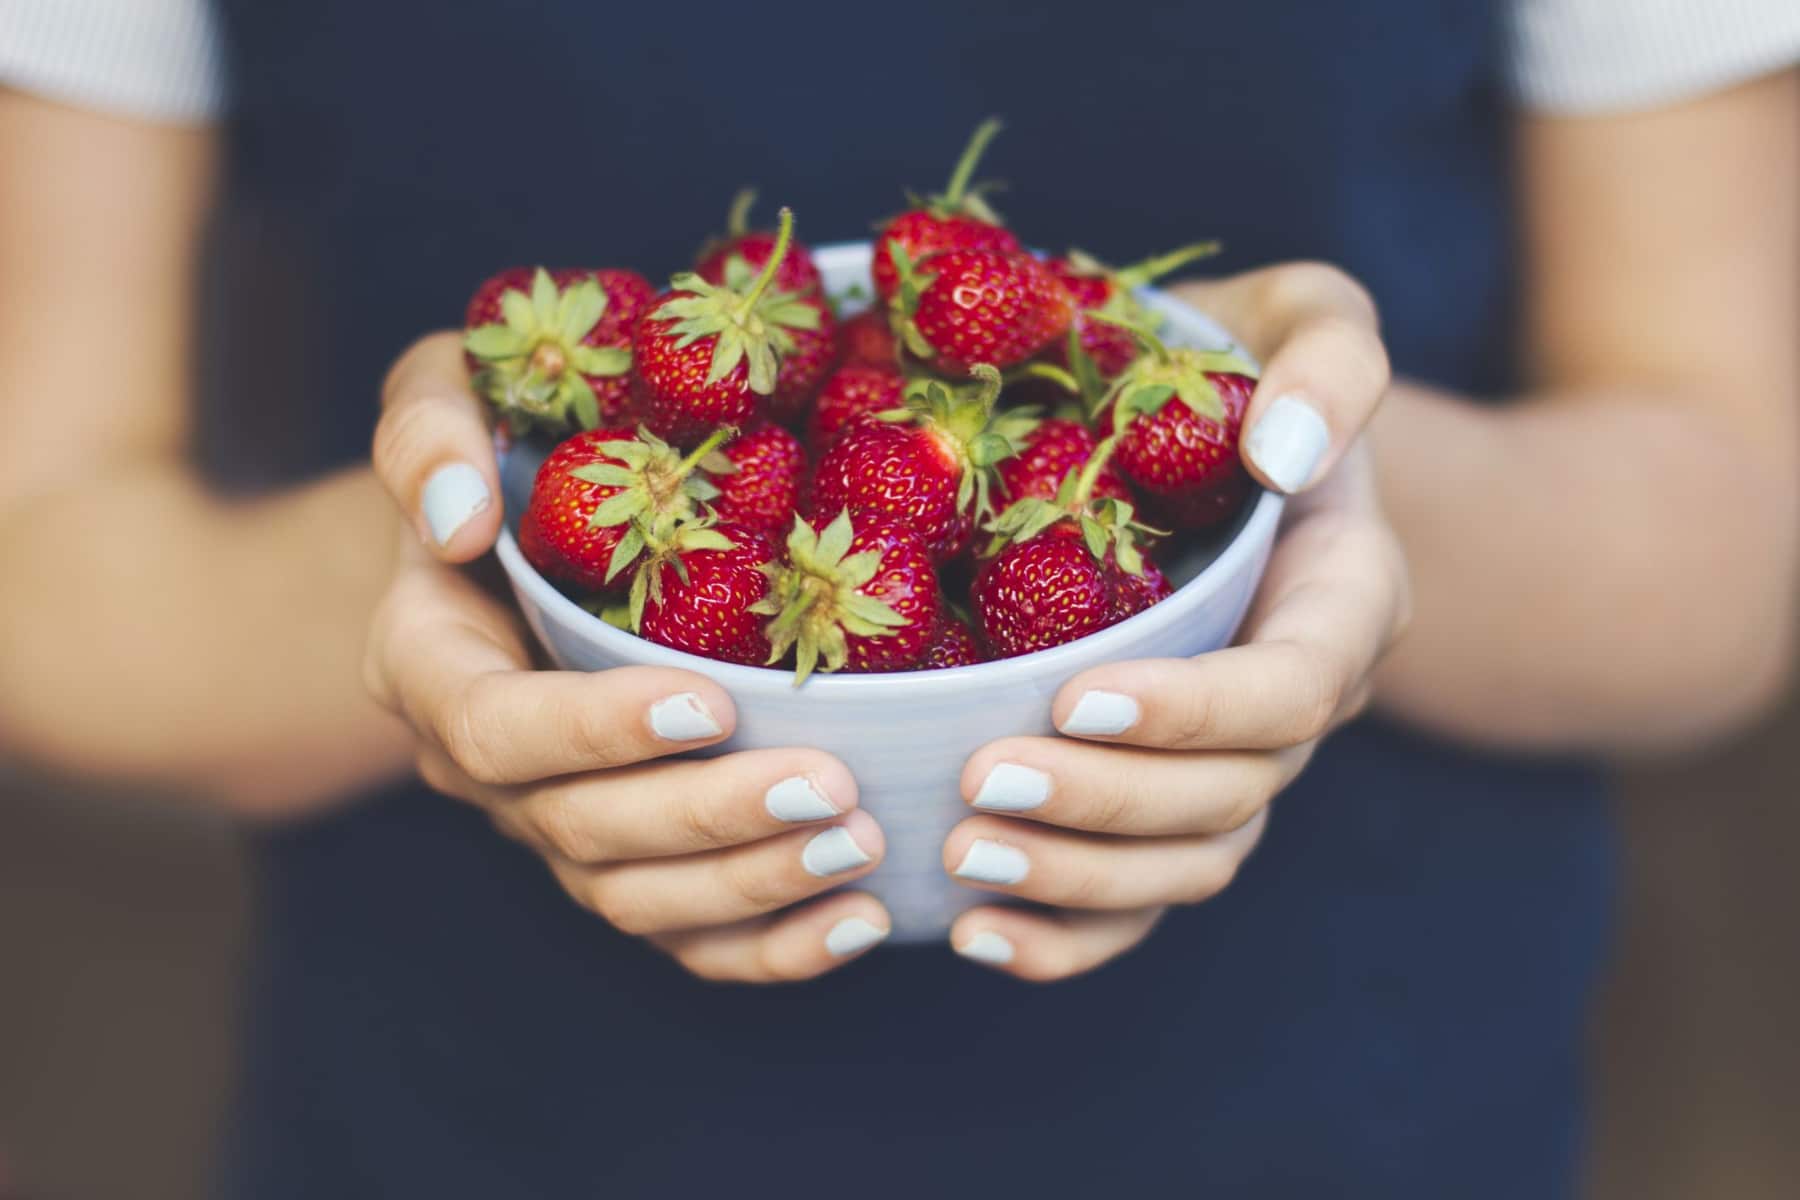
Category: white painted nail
[851,935]
[1102,712]
[987,947]
[991,862]
[454,493]
[1012,788]
[798,799]
[1287,444]
[833,852]
[683,718]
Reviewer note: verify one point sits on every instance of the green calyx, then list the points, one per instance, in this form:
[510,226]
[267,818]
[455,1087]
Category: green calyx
[903,306]
[749,322]
[1105,524]
[659,489]
[534,367]
[816,599]
[965,419]
[666,540]
[1140,274]
[1161,374]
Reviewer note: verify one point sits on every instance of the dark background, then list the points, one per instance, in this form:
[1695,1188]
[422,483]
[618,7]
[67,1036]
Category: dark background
[123,923]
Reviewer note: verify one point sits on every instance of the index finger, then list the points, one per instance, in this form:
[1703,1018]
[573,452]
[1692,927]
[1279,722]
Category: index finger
[1325,370]
[433,451]
[1315,634]
[449,658]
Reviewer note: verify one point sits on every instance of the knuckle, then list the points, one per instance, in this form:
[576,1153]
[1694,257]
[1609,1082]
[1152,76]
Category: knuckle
[1196,718]
[707,968]
[1111,806]
[622,907]
[703,823]
[565,828]
[1318,692]
[1208,880]
[1084,886]
[459,730]
[1051,960]
[754,887]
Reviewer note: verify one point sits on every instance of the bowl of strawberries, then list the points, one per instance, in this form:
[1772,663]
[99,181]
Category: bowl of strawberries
[889,495]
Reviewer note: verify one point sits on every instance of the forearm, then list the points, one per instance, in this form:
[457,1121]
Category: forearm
[151,632]
[1610,573]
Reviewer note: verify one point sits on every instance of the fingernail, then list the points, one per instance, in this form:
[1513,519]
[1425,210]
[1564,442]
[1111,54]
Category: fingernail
[454,493]
[683,718]
[1287,444]
[833,852]
[851,935]
[991,862]
[798,799]
[1102,712]
[987,947]
[1012,788]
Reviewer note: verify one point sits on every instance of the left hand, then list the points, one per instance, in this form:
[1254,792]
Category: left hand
[1112,827]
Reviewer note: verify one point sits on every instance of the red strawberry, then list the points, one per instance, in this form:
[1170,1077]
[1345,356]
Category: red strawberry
[959,219]
[850,393]
[1046,456]
[1132,594]
[751,249]
[954,645]
[861,595]
[1180,412]
[930,466]
[962,307]
[600,496]
[552,349]
[758,476]
[1041,593]
[805,365]
[1098,288]
[867,338]
[703,597]
[709,355]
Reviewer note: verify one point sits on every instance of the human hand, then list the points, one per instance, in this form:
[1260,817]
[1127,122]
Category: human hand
[1160,788]
[703,857]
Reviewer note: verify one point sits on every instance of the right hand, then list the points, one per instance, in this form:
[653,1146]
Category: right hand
[697,855]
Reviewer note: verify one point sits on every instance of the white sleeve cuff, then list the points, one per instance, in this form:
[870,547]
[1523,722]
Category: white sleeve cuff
[1600,55]
[160,60]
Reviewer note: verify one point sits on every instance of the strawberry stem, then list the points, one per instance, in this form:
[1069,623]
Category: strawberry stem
[738,223]
[1145,338]
[784,237]
[991,381]
[965,166]
[1151,269]
[1055,374]
[718,438]
[1090,471]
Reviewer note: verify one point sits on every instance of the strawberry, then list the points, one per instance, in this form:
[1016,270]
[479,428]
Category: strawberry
[601,496]
[552,349]
[736,258]
[758,476]
[805,365]
[1041,593]
[850,393]
[1180,412]
[861,595]
[1065,567]
[1096,287]
[928,464]
[867,338]
[958,219]
[709,354]
[960,307]
[1046,457]
[702,594]
[953,645]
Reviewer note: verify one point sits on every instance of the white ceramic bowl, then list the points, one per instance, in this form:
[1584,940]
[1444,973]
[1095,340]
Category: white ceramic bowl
[906,736]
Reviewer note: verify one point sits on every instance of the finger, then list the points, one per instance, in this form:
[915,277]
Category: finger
[1316,632]
[1325,369]
[667,895]
[1045,946]
[661,809]
[787,947]
[434,453]
[449,658]
[1125,791]
[1083,870]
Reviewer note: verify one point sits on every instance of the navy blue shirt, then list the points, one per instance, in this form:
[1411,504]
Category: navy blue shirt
[1388,1002]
